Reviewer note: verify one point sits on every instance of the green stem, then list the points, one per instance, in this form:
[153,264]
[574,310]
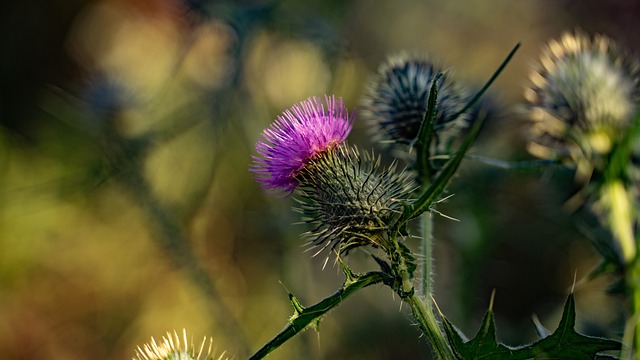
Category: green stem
[631,336]
[301,319]
[421,312]
[635,316]
[426,318]
[623,213]
[427,253]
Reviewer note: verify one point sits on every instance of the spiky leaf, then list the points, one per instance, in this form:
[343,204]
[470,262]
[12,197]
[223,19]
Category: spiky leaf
[567,343]
[483,346]
[564,343]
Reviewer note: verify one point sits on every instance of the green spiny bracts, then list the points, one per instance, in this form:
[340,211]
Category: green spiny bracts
[348,200]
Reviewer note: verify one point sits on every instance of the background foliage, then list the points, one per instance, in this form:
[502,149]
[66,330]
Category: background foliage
[97,95]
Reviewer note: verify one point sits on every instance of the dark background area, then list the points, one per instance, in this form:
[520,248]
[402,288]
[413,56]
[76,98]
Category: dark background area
[95,94]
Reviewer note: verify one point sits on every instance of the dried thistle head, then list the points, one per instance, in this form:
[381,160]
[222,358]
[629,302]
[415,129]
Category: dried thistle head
[583,96]
[173,347]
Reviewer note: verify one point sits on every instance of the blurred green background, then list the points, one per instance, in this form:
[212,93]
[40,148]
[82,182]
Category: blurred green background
[127,208]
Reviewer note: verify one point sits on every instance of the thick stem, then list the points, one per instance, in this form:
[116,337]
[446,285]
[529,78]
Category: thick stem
[425,316]
[421,312]
[631,337]
[636,307]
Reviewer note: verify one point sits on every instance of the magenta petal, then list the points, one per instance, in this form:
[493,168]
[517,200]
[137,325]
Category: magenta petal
[298,135]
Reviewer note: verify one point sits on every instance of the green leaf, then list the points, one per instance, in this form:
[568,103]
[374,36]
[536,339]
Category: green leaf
[442,179]
[455,337]
[425,134]
[303,317]
[564,343]
[384,265]
[410,259]
[297,306]
[567,343]
[483,346]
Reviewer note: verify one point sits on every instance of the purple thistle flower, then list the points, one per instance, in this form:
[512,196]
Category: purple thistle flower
[298,136]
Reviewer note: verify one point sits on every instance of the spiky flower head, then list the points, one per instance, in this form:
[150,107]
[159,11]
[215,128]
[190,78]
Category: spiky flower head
[299,135]
[584,94]
[172,347]
[350,200]
[344,195]
[395,102]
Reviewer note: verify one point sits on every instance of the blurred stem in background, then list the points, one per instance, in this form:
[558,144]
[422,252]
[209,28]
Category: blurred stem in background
[584,103]
[616,199]
[132,154]
[632,329]
[127,156]
[171,237]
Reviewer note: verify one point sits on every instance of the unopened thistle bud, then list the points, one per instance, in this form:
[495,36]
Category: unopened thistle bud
[172,347]
[584,94]
[349,200]
[396,99]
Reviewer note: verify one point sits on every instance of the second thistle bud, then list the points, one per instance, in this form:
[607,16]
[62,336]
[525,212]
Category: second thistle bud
[396,101]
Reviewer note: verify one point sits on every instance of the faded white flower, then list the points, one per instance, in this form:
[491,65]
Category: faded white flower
[172,347]
[584,95]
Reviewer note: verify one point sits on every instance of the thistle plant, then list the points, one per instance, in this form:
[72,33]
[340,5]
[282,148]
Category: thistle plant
[349,198]
[584,97]
[352,201]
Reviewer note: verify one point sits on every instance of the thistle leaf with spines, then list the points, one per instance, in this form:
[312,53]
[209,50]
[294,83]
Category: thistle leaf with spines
[564,343]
